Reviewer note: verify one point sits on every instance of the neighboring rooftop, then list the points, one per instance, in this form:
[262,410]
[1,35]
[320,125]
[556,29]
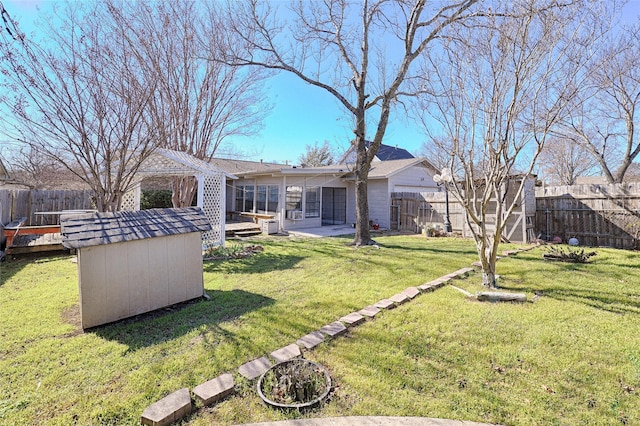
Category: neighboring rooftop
[385,153]
[92,229]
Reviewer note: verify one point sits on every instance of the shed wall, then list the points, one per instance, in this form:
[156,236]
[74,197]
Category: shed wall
[125,279]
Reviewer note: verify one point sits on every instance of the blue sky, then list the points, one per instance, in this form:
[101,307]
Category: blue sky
[304,114]
[301,114]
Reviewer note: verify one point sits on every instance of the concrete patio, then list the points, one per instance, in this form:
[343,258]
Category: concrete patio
[323,231]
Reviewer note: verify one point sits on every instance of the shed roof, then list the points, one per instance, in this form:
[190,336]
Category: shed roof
[92,229]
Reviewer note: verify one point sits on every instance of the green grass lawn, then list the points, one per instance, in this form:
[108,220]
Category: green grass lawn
[570,357]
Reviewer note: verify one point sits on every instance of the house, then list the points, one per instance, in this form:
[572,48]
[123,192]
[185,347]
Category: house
[307,197]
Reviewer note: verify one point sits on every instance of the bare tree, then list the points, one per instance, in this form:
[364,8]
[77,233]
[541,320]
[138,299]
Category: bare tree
[198,103]
[317,155]
[436,150]
[40,171]
[563,160]
[500,88]
[359,52]
[80,99]
[604,117]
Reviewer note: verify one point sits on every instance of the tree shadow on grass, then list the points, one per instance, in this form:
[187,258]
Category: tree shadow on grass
[14,263]
[609,301]
[427,248]
[175,321]
[258,264]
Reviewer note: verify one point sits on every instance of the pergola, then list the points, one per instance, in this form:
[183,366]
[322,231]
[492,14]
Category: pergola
[211,187]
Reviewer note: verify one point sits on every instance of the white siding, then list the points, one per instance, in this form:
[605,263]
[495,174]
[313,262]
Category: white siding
[379,201]
[351,202]
[415,179]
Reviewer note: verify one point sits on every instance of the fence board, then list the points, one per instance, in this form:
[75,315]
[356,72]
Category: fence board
[597,215]
[26,203]
[413,212]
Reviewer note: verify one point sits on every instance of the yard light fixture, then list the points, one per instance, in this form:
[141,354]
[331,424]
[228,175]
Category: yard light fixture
[444,179]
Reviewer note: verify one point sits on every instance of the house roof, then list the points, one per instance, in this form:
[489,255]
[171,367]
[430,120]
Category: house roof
[389,153]
[241,167]
[92,229]
[385,153]
[379,169]
[386,169]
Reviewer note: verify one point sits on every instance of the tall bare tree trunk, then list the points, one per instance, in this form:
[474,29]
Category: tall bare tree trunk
[341,47]
[362,233]
[183,190]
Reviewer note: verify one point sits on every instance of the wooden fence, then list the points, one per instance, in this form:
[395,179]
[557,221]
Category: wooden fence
[30,203]
[597,215]
[412,211]
[415,211]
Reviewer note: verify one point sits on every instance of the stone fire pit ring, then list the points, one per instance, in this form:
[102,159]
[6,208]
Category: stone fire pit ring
[297,364]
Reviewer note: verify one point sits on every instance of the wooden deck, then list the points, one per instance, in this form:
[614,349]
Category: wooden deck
[32,239]
[35,243]
[38,239]
[241,229]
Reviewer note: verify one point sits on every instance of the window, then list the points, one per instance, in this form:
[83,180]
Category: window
[312,202]
[273,198]
[294,198]
[244,198]
[267,199]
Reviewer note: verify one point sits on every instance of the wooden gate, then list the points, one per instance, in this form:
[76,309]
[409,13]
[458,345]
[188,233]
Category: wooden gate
[413,212]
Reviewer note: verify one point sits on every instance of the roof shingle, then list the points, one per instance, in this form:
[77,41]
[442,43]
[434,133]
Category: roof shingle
[92,229]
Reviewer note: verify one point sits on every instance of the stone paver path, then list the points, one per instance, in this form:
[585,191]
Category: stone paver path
[311,340]
[352,319]
[369,311]
[385,304]
[334,329]
[286,353]
[254,369]
[178,404]
[215,389]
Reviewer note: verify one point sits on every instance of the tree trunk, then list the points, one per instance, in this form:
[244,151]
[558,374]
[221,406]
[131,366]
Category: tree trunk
[363,234]
[489,278]
[184,189]
[486,251]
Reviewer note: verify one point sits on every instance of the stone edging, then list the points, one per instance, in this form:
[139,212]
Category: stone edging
[175,406]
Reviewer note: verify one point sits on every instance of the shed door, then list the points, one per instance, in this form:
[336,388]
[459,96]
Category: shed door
[334,206]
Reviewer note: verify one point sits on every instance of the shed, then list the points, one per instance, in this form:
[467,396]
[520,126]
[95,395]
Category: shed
[132,262]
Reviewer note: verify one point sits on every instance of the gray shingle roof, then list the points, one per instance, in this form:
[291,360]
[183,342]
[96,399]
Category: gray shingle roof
[378,170]
[385,153]
[242,167]
[92,229]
